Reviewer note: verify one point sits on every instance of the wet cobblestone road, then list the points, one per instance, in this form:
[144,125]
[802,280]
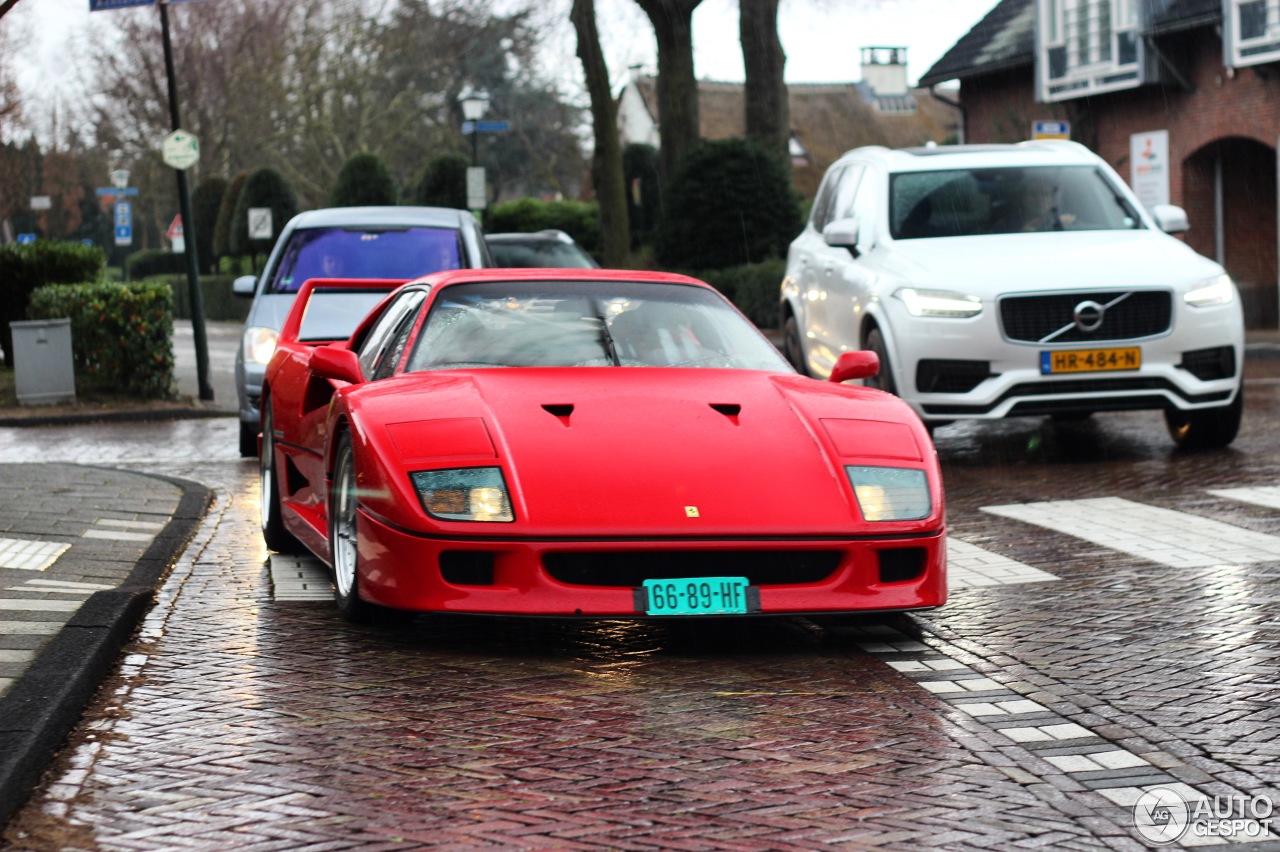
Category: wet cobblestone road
[1021,715]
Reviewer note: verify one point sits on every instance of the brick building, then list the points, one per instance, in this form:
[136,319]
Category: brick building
[1201,77]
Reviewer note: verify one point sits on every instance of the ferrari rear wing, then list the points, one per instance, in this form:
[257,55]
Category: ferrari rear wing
[328,310]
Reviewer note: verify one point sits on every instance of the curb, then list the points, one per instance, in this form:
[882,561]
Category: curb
[133,416]
[48,700]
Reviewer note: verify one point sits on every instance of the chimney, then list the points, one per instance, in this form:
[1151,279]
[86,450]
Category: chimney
[884,69]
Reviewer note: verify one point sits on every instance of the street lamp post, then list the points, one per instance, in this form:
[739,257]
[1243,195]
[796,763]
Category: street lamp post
[474,105]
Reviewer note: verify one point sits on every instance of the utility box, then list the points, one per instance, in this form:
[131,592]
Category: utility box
[43,369]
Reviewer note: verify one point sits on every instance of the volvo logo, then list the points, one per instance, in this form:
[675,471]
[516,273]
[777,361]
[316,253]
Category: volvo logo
[1088,315]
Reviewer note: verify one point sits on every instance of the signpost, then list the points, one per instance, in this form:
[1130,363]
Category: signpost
[181,150]
[175,235]
[260,223]
[124,222]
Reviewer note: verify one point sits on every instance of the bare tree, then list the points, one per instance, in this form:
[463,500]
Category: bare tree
[767,116]
[677,86]
[606,163]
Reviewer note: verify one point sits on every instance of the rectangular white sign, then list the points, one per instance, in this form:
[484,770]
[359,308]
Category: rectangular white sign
[1149,167]
[260,223]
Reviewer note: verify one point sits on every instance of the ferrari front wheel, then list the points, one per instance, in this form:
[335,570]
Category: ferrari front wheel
[344,544]
[274,534]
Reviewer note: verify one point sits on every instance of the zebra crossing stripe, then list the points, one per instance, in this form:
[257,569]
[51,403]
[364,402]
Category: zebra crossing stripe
[1171,538]
[28,555]
[969,565]
[299,578]
[1268,496]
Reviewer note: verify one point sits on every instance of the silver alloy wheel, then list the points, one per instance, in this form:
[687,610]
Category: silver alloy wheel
[266,471]
[344,524]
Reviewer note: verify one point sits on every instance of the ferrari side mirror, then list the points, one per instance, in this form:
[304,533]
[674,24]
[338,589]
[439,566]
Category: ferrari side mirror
[862,364]
[330,362]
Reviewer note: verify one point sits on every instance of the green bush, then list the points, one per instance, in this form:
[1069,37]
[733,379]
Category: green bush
[443,182]
[640,168]
[364,179]
[578,219]
[753,287]
[264,188]
[121,334]
[205,203]
[220,304]
[23,268]
[729,202]
[144,264]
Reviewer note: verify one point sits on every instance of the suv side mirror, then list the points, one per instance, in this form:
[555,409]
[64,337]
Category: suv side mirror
[860,364]
[331,362]
[1170,218]
[842,233]
[244,285]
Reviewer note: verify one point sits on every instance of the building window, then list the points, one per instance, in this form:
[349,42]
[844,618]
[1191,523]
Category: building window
[1086,47]
[1252,32]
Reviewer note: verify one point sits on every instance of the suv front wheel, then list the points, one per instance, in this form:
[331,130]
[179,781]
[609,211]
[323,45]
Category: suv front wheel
[1208,428]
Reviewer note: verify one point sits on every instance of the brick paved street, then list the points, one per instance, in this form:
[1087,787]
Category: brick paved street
[1070,674]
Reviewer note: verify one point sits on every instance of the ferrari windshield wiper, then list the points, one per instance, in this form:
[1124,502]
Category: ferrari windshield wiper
[605,337]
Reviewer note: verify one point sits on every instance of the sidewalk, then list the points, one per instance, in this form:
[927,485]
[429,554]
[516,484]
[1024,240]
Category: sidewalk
[82,551]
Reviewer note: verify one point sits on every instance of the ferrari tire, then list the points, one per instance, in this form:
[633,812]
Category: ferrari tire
[792,348]
[344,542]
[883,379]
[274,534]
[1206,429]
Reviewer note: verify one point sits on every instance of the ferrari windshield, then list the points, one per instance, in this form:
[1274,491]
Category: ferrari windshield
[969,202]
[588,324]
[381,252]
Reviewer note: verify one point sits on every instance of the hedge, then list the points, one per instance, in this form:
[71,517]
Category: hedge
[215,290]
[24,267]
[578,219]
[753,287]
[121,334]
[149,262]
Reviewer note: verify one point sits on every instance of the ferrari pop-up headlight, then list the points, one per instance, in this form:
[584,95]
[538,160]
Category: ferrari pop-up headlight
[464,494]
[890,493]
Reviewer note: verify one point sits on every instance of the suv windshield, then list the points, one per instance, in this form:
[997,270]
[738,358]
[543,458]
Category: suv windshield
[970,202]
[397,252]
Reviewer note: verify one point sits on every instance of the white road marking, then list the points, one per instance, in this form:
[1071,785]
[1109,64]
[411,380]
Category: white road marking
[1268,496]
[300,578]
[1171,538]
[28,555]
[969,565]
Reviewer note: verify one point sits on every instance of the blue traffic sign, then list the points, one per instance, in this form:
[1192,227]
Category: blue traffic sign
[107,5]
[469,127]
[26,239]
[124,223]
[116,191]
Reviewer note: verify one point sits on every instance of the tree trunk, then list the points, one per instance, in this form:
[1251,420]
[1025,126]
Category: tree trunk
[606,162]
[678,127]
[768,114]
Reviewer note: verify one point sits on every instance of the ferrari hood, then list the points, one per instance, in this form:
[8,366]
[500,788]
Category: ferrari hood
[669,452]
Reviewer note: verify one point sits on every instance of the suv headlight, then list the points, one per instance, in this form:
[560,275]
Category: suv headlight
[1216,291]
[939,303]
[260,344]
[464,494]
[890,493]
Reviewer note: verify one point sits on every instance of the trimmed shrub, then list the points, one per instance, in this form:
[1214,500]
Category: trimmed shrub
[363,180]
[729,202]
[144,264]
[220,304]
[205,203]
[227,212]
[23,268]
[121,334]
[640,170]
[264,188]
[443,182]
[753,287]
[578,219]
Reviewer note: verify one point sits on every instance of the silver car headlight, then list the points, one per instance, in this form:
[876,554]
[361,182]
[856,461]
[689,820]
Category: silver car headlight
[1218,290]
[890,493]
[260,344]
[939,303]
[464,494]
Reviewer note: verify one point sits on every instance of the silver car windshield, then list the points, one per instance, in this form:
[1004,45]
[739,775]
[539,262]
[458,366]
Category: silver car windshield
[589,324]
[383,252]
[971,202]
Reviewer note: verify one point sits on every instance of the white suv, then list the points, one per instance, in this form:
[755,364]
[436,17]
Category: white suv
[1011,280]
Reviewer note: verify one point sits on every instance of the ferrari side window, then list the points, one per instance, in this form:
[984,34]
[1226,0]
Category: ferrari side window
[387,365]
[384,329]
